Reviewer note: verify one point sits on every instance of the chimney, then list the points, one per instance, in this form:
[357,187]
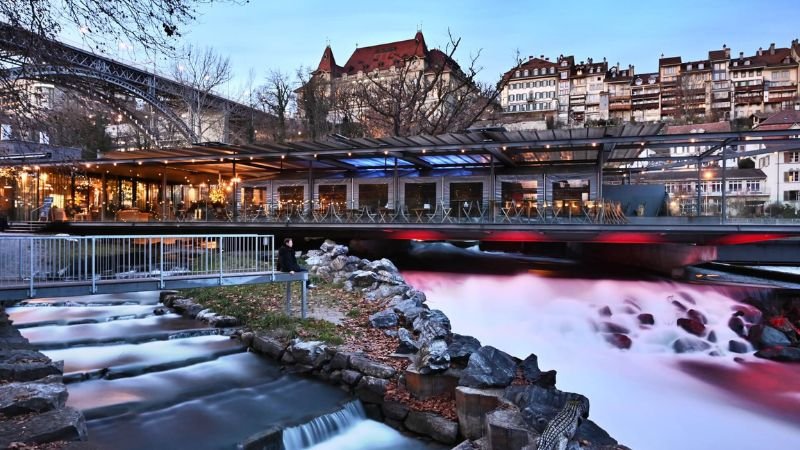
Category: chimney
[604,59]
[724,46]
[541,56]
[727,53]
[530,57]
[741,55]
[760,51]
[547,59]
[590,60]
[772,48]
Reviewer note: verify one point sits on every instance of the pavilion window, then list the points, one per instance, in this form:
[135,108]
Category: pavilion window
[469,194]
[373,195]
[420,194]
[333,194]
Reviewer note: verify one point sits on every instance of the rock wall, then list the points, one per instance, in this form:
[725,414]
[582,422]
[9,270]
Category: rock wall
[33,395]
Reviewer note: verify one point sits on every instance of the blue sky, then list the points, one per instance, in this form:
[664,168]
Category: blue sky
[285,35]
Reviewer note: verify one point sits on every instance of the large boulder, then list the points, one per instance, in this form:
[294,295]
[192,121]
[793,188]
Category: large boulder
[538,405]
[488,367]
[532,374]
[690,344]
[407,343]
[269,346]
[764,336]
[370,367]
[692,326]
[590,433]
[461,347]
[382,264]
[432,324]
[384,319]
[338,263]
[433,357]
[327,246]
[63,424]
[432,425]
[737,325]
[308,352]
[384,276]
[384,291]
[777,353]
[23,398]
[339,250]
[362,278]
[371,389]
[408,309]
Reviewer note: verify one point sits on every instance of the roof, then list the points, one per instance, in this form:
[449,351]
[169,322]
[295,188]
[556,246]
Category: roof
[768,57]
[589,69]
[713,173]
[645,77]
[695,66]
[530,64]
[669,61]
[709,127]
[328,63]
[781,120]
[617,75]
[716,55]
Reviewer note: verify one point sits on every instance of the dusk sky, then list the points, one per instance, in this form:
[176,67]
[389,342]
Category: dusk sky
[285,35]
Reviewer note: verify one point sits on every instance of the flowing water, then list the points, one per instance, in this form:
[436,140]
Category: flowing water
[162,381]
[648,397]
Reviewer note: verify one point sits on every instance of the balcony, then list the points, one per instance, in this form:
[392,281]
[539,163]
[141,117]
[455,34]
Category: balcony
[622,106]
[781,86]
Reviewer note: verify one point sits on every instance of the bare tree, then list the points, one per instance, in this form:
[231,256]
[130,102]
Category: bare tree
[277,96]
[432,95]
[201,71]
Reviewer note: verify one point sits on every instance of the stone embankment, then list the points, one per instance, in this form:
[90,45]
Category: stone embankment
[33,396]
[439,384]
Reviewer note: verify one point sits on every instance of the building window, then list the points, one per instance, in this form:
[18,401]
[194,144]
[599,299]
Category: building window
[716,186]
[763,162]
[701,66]
[791,176]
[791,196]
[735,186]
[753,186]
[793,157]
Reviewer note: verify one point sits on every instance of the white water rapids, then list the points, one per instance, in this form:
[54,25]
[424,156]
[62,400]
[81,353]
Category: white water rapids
[647,397]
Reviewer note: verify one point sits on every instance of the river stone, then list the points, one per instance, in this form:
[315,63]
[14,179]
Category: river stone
[432,324]
[432,425]
[362,278]
[371,368]
[187,307]
[697,315]
[371,389]
[417,296]
[461,347]
[646,319]
[384,319]
[692,326]
[351,377]
[269,346]
[488,367]
[778,353]
[619,340]
[538,405]
[163,294]
[385,291]
[764,336]
[505,429]
[736,324]
[690,344]
[433,357]
[64,424]
[407,343]
[338,263]
[737,346]
[384,276]
[23,398]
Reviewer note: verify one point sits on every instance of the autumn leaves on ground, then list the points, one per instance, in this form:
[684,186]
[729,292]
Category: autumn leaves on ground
[336,316]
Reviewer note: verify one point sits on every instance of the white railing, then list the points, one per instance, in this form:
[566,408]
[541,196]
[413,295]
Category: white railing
[37,261]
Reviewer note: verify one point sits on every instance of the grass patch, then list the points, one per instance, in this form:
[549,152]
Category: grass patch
[262,307]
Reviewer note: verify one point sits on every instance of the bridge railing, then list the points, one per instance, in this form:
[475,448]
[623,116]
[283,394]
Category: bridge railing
[36,261]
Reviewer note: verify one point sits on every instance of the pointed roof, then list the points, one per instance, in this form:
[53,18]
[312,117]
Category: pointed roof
[328,63]
[384,56]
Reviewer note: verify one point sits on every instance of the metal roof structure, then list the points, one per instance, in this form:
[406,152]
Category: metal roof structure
[606,147]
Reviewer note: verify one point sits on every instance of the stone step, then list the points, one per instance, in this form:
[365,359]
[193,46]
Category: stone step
[24,398]
[65,424]
[27,365]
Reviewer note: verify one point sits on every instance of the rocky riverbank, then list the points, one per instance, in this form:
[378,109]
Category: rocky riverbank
[33,397]
[772,327]
[413,373]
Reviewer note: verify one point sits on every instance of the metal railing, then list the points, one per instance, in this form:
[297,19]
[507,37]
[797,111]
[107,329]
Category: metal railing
[37,261]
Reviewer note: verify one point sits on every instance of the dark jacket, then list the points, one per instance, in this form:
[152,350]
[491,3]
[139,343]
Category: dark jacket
[287,261]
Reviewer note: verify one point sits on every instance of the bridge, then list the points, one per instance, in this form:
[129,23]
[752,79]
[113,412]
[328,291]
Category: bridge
[46,266]
[32,57]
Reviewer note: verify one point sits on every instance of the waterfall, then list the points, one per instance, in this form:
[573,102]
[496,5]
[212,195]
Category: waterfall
[323,427]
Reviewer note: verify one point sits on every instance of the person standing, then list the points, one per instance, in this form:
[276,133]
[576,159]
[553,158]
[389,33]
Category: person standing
[287,262]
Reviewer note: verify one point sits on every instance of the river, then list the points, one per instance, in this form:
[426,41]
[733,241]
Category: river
[648,397]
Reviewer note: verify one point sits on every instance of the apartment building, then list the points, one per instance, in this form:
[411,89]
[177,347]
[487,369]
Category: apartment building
[781,167]
[618,83]
[531,87]
[718,88]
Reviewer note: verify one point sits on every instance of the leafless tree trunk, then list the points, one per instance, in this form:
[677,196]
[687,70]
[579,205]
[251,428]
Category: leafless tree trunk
[201,72]
[314,103]
[277,95]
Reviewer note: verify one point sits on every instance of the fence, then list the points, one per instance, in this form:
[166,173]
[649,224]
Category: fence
[51,261]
